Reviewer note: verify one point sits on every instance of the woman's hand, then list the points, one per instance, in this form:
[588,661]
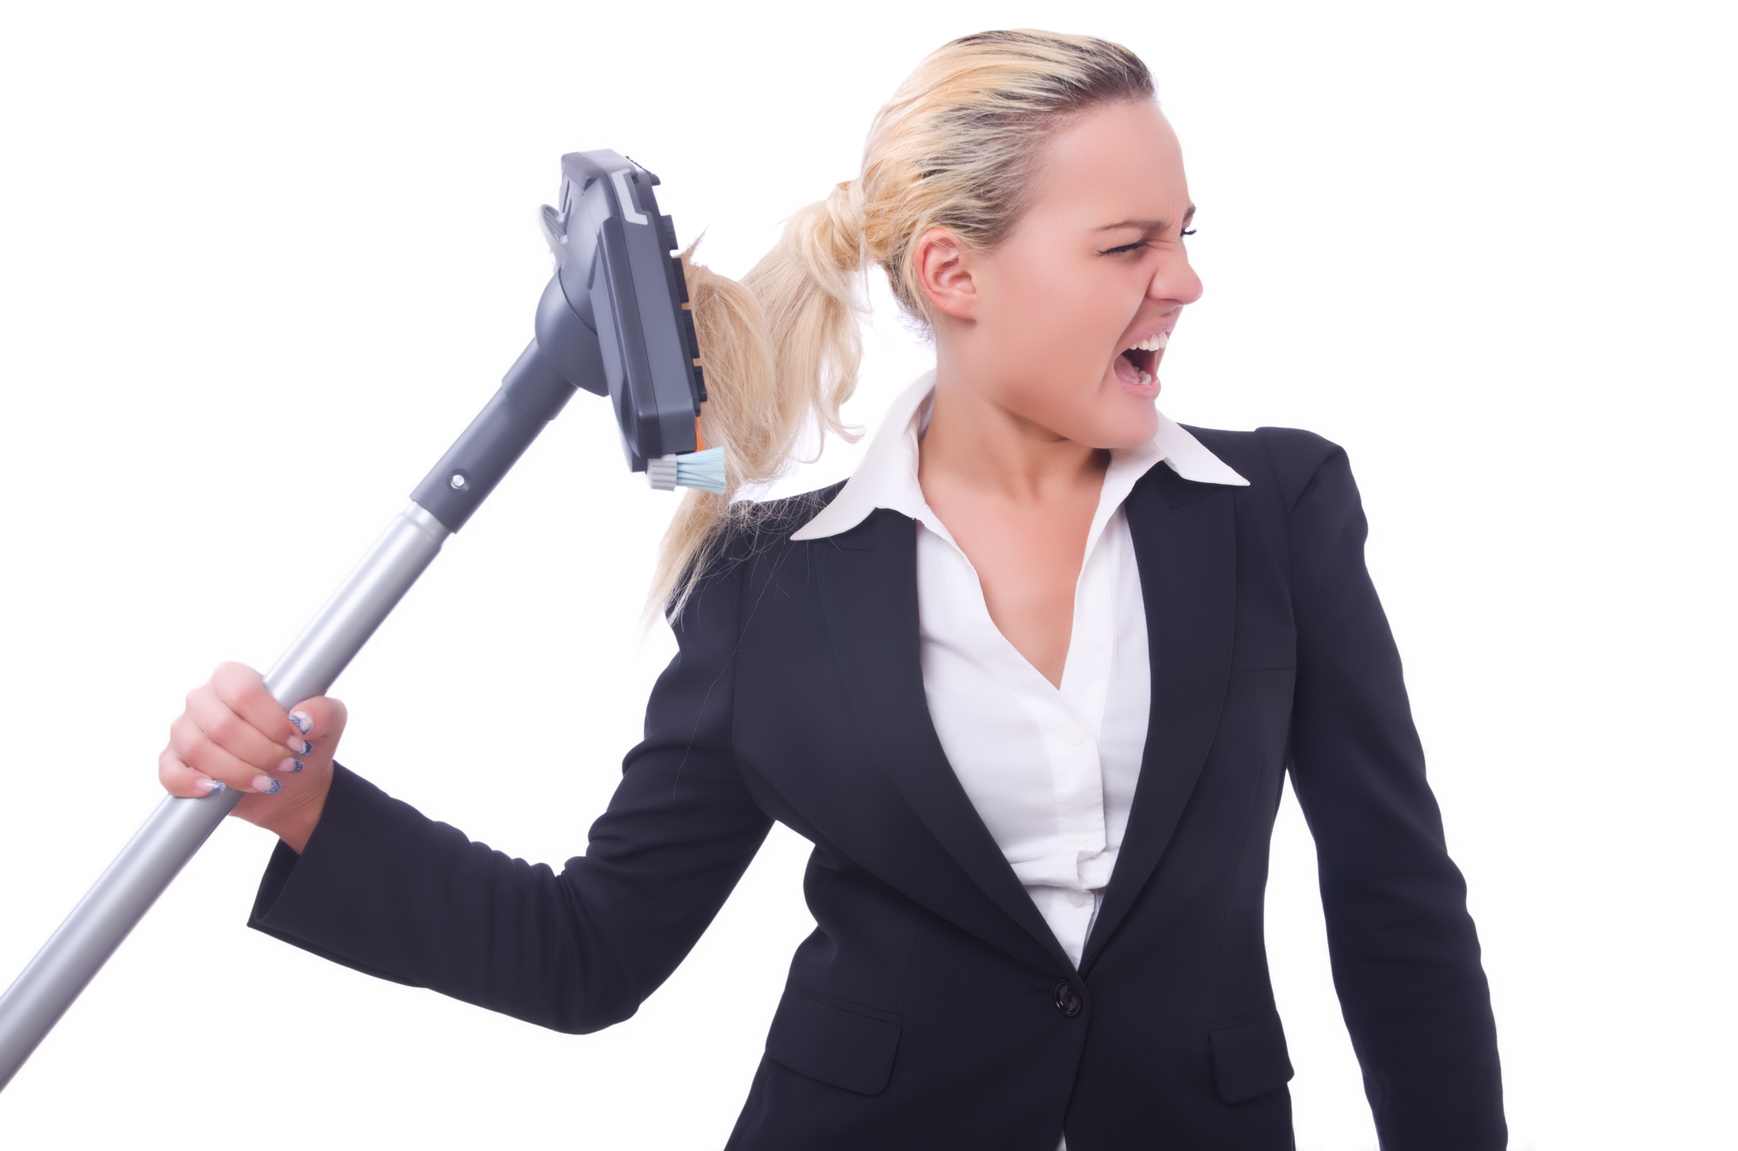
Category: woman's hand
[234,735]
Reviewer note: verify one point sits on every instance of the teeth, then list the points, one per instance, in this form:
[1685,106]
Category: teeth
[1154,343]
[1146,378]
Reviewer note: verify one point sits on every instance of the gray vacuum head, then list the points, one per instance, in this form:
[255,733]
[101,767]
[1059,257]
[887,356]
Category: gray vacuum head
[616,275]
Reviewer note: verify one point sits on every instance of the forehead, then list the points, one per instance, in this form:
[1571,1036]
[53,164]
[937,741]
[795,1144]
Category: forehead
[1116,162]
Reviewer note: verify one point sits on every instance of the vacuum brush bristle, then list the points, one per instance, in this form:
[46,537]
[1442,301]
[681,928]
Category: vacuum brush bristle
[702,470]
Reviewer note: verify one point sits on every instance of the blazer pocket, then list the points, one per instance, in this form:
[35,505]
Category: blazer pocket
[837,1046]
[1249,1058]
[1264,649]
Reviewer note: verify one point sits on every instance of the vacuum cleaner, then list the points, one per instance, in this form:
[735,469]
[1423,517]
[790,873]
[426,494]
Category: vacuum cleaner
[614,321]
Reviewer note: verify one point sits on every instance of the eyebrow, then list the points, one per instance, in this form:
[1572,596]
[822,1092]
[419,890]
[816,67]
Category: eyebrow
[1148,225]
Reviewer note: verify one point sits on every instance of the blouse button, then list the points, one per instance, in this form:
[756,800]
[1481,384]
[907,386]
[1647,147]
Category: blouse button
[1078,898]
[1076,736]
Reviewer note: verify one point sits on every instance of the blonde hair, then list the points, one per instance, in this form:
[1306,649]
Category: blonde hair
[956,148]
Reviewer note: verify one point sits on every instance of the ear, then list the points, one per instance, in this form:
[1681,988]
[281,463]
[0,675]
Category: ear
[944,270]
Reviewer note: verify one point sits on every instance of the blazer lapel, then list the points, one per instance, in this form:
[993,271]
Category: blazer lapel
[868,585]
[1185,542]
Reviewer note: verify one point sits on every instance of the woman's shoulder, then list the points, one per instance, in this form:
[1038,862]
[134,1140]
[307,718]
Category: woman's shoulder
[752,546]
[774,520]
[755,534]
[1287,457]
[755,528]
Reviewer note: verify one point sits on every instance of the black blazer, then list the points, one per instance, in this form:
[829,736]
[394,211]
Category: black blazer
[932,1007]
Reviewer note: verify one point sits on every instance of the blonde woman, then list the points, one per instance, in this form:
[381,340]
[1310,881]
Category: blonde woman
[1031,682]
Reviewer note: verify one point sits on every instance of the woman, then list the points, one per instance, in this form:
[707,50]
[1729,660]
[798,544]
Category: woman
[1031,695]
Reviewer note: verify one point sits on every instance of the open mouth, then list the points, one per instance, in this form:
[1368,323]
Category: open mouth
[1138,366]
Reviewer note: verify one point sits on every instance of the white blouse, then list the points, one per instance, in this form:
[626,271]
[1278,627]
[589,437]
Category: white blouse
[1050,770]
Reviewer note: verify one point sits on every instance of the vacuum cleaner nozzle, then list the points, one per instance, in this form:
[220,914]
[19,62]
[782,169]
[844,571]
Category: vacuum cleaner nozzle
[613,320]
[616,273]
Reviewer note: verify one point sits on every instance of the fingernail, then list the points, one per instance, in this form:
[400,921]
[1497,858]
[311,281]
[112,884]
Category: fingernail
[291,766]
[210,786]
[267,784]
[299,746]
[303,721]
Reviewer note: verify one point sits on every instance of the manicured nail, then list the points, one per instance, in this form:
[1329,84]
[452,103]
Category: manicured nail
[299,746]
[303,721]
[267,784]
[210,786]
[291,766]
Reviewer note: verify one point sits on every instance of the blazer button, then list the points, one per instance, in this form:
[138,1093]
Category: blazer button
[1068,1000]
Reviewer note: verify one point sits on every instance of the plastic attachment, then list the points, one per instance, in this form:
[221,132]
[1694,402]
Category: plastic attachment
[703,471]
[661,473]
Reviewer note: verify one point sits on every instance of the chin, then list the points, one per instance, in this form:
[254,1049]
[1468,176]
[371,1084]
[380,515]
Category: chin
[1127,420]
[1129,424]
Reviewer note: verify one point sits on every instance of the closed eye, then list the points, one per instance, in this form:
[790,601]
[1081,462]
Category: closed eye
[1139,244]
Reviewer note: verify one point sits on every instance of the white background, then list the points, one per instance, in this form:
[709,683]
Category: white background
[259,264]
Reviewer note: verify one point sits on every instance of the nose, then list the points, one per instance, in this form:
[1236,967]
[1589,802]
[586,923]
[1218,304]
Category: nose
[1175,282]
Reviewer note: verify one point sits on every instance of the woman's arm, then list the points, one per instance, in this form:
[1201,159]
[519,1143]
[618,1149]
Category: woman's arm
[1405,954]
[384,889]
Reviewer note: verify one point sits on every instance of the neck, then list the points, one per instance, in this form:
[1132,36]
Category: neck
[976,443]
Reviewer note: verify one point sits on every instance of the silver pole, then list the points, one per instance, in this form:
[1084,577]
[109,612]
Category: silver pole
[179,827]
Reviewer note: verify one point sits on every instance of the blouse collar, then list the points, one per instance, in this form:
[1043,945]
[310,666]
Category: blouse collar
[887,476]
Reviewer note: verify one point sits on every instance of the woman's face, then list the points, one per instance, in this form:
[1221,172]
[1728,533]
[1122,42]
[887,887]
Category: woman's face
[1070,315]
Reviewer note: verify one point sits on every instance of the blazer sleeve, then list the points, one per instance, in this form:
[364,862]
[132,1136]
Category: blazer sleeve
[386,890]
[1404,951]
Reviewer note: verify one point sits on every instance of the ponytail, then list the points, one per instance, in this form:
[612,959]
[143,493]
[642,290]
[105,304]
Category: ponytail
[780,348]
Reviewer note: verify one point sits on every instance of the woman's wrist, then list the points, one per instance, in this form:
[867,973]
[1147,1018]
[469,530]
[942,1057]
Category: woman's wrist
[295,822]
